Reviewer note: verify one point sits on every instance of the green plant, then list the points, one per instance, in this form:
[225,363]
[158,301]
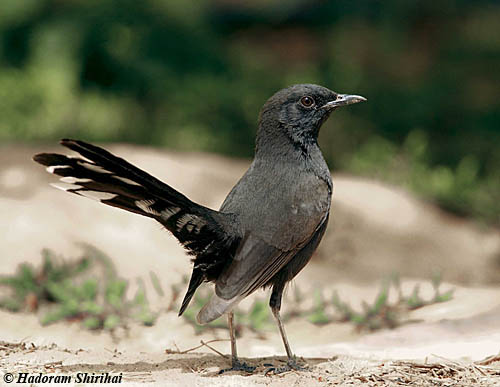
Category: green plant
[87,290]
[383,314]
[318,315]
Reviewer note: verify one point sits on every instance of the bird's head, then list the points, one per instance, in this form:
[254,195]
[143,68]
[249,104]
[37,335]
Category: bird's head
[297,113]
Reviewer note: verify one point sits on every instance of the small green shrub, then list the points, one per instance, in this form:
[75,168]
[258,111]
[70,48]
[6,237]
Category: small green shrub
[461,190]
[85,290]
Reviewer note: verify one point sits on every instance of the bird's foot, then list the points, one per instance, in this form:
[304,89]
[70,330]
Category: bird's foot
[236,365]
[291,365]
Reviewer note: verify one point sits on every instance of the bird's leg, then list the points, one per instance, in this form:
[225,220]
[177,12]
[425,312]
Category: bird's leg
[232,336]
[236,365]
[275,304]
[276,313]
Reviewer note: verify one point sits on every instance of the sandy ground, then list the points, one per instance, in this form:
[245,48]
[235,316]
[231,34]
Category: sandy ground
[375,230]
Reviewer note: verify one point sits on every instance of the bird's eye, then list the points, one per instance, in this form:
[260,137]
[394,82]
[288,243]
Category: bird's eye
[307,101]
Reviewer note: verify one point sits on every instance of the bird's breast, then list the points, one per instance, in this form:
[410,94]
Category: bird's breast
[281,203]
[285,211]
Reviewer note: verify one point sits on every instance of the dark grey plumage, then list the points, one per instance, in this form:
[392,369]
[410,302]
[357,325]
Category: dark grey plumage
[270,223]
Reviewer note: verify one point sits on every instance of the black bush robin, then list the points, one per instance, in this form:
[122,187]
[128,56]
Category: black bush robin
[267,228]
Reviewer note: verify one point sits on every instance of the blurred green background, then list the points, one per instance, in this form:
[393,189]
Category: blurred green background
[193,74]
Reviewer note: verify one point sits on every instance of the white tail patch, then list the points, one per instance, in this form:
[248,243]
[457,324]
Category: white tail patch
[52,168]
[94,168]
[65,186]
[168,212]
[125,180]
[72,180]
[145,205]
[97,195]
[79,158]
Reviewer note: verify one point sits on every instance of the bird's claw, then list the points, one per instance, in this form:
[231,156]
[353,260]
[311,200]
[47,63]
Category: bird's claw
[291,365]
[236,365]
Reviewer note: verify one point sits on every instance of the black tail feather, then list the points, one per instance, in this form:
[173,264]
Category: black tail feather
[195,281]
[86,179]
[123,168]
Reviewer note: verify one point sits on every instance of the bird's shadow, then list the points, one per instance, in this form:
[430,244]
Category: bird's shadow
[206,365]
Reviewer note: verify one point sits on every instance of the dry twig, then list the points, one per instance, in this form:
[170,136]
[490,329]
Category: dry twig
[203,344]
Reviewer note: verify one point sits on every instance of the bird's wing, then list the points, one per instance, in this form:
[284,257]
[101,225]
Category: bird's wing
[115,182]
[254,265]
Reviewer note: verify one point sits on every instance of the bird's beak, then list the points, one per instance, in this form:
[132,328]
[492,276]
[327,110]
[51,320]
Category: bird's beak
[342,100]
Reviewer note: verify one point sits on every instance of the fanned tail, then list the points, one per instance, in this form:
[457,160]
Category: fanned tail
[97,174]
